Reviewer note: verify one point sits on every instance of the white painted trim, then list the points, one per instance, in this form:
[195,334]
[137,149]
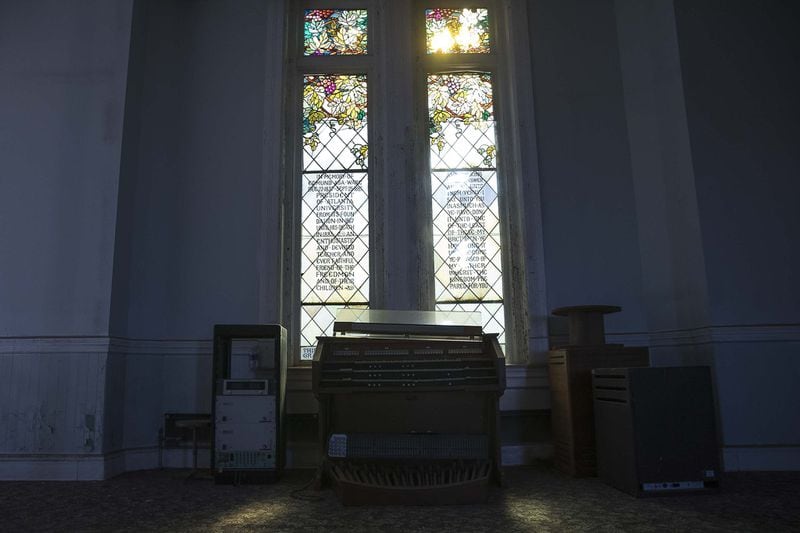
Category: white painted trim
[525,454]
[525,162]
[760,458]
[166,347]
[756,333]
[270,252]
[526,377]
[527,388]
[52,467]
[46,345]
[87,345]
[93,467]
[727,334]
[304,455]
[736,333]
[98,467]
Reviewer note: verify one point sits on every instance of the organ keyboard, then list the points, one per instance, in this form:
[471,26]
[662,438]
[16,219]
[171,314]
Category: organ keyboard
[409,407]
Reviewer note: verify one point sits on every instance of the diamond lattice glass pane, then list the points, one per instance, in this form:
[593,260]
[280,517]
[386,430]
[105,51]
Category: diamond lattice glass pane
[334,122]
[335,238]
[328,32]
[492,317]
[317,320]
[462,126]
[334,208]
[466,223]
[466,236]
[459,31]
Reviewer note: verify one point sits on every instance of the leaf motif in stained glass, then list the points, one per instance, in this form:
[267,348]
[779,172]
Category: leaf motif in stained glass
[328,32]
[457,31]
[461,120]
[335,121]
[465,207]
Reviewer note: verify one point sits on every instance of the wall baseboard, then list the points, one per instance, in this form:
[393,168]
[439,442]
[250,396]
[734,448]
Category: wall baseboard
[96,467]
[760,458]
[99,467]
[525,454]
[52,468]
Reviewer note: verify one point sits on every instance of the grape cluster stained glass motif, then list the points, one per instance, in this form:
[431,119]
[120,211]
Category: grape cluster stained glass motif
[461,118]
[457,31]
[334,121]
[466,220]
[328,32]
[334,207]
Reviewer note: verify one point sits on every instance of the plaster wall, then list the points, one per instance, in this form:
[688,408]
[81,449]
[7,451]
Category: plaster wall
[741,74]
[62,91]
[591,248]
[194,171]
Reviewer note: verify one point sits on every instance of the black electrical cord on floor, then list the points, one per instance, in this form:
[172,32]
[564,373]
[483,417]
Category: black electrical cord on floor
[297,494]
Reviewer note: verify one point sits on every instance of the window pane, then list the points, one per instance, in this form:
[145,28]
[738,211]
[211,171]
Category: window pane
[334,263]
[328,32]
[335,238]
[334,122]
[461,111]
[466,218]
[459,31]
[316,320]
[466,236]
[492,317]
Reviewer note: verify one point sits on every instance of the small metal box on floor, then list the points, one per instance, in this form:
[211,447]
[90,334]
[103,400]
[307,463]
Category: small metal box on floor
[656,430]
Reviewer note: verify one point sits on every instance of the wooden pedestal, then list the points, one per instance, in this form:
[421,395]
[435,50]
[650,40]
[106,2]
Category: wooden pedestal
[572,413]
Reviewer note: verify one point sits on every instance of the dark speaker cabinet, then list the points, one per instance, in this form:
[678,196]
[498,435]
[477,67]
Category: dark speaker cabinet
[571,413]
[656,429]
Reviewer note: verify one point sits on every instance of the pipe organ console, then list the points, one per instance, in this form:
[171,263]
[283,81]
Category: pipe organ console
[409,408]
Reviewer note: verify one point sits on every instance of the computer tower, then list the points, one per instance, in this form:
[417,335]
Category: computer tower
[248,403]
[656,429]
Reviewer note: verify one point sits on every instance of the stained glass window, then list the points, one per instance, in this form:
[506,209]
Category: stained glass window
[466,220]
[334,210]
[328,32]
[457,31]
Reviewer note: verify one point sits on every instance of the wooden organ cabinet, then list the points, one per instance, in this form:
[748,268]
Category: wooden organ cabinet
[570,369]
[409,407]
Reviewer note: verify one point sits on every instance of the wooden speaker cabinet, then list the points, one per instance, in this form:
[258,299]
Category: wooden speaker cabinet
[572,415]
[656,429]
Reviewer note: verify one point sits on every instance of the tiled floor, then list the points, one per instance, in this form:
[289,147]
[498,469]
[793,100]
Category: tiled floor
[535,499]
